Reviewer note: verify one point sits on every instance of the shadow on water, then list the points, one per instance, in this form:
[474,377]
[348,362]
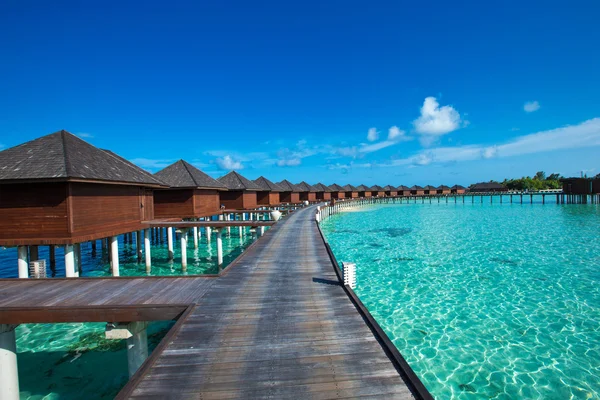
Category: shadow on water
[393,232]
[88,364]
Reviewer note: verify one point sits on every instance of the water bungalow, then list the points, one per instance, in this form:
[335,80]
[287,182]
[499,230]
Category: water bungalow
[417,190]
[581,185]
[403,190]
[191,193]
[488,187]
[430,190]
[307,192]
[443,189]
[364,191]
[390,191]
[60,190]
[290,193]
[240,193]
[377,191]
[337,191]
[323,192]
[270,194]
[458,189]
[351,192]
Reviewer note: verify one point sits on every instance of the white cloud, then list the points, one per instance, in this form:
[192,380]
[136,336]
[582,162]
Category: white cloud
[585,134]
[436,121]
[85,135]
[395,133]
[152,163]
[228,163]
[372,135]
[292,162]
[531,106]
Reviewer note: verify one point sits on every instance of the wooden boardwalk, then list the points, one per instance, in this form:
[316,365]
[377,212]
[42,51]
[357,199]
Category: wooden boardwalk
[98,299]
[278,325]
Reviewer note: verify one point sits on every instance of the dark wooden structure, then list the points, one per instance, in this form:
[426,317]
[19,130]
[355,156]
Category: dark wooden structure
[488,187]
[270,194]
[417,190]
[290,194]
[403,190]
[337,191]
[429,190]
[581,185]
[443,189]
[323,192]
[390,191]
[458,189]
[241,192]
[351,192]
[377,191]
[307,192]
[364,191]
[59,189]
[191,193]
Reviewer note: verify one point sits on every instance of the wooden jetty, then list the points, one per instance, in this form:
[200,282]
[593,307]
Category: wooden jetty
[277,324]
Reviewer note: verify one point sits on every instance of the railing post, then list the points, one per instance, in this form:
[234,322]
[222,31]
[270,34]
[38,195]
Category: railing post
[349,274]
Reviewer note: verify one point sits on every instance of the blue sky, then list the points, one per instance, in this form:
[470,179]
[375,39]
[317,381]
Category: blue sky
[334,91]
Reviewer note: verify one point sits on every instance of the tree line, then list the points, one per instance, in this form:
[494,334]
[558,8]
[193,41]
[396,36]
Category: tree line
[537,182]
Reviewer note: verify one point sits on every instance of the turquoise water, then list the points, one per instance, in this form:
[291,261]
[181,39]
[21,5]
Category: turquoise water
[66,361]
[202,260]
[483,301]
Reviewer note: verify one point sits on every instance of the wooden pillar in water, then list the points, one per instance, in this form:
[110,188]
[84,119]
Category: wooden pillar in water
[170,242]
[147,250]
[138,244]
[22,262]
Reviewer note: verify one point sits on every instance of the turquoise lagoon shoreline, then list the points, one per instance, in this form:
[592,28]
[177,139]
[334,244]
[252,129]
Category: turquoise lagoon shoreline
[483,300]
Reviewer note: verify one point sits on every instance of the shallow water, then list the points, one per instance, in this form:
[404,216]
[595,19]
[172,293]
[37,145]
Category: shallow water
[201,260]
[483,300]
[74,361]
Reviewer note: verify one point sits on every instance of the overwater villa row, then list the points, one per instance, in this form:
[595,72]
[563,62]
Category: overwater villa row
[59,190]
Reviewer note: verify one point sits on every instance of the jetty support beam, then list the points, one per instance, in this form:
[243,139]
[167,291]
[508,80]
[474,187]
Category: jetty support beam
[137,341]
[22,263]
[147,249]
[170,242]
[9,378]
[114,255]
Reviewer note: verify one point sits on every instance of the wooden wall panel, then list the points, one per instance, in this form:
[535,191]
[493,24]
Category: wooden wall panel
[338,195]
[274,198]
[262,198]
[99,207]
[174,203]
[249,200]
[206,202]
[232,199]
[33,211]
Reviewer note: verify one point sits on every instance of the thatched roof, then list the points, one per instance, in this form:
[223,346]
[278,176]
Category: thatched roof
[305,187]
[389,188]
[416,187]
[235,181]
[319,187]
[62,156]
[182,174]
[336,188]
[363,188]
[288,186]
[266,184]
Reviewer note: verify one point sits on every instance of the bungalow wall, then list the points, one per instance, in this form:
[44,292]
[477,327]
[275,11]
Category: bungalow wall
[391,193]
[596,186]
[323,195]
[443,191]
[405,193]
[33,210]
[105,210]
[262,198]
[238,199]
[457,191]
[274,198]
[379,194]
[206,202]
[289,197]
[351,195]
[578,186]
[65,213]
[174,203]
[419,192]
[338,195]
